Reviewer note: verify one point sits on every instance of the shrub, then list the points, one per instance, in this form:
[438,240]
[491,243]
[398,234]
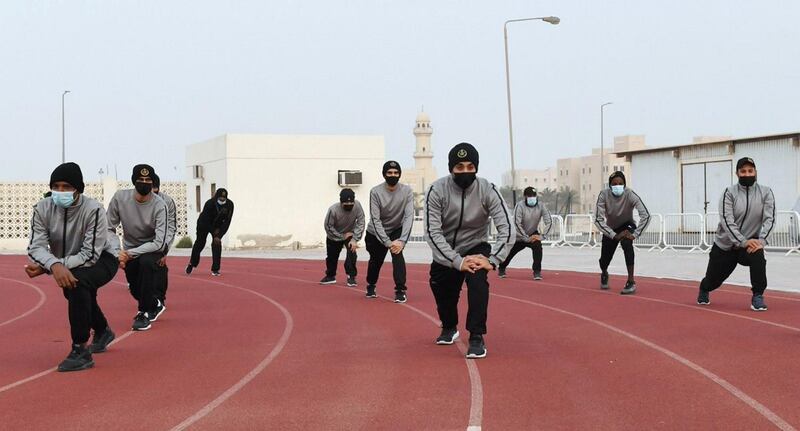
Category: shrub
[185,242]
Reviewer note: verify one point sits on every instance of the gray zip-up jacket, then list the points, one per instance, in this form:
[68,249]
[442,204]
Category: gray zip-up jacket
[338,222]
[172,219]
[144,225]
[745,213]
[527,219]
[389,211]
[457,220]
[612,212]
[74,237]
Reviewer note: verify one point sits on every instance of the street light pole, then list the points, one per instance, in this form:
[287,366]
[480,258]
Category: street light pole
[602,159]
[552,20]
[63,140]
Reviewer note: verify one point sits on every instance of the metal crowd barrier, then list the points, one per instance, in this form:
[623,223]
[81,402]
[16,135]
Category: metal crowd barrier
[578,230]
[684,231]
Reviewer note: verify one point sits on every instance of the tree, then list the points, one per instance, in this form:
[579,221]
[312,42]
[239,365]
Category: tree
[566,197]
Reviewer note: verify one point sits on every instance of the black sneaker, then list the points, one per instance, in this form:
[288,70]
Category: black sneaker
[351,282]
[100,343]
[371,292]
[215,273]
[400,296]
[757,304]
[328,280]
[448,336]
[501,272]
[476,349]
[702,298]
[80,358]
[604,281]
[629,289]
[537,275]
[158,311]
[141,322]
[189,268]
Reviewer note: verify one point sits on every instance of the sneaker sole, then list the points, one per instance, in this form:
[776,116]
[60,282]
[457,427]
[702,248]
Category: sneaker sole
[474,356]
[327,282]
[705,303]
[68,370]
[141,329]
[446,343]
[398,301]
[502,276]
[602,287]
[163,309]
[352,285]
[758,309]
[627,292]
[371,296]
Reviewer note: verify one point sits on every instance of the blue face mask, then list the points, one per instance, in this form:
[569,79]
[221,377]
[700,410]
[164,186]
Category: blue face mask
[531,201]
[63,199]
[617,190]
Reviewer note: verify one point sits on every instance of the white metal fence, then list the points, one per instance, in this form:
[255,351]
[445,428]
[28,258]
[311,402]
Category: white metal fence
[693,232]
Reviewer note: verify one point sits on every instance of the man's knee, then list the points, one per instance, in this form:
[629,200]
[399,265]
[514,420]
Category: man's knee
[150,261]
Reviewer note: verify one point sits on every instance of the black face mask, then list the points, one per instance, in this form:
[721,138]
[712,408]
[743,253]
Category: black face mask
[144,188]
[392,181]
[348,207]
[464,179]
[747,181]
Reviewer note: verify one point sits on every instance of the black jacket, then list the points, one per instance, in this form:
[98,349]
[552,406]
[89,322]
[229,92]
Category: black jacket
[215,216]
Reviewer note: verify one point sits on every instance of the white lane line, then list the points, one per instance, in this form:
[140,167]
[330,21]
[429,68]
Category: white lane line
[287,331]
[476,387]
[733,390]
[42,299]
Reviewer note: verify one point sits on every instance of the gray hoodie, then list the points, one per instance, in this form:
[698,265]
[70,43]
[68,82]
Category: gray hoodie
[389,211]
[74,237]
[745,213]
[614,211]
[457,220]
[172,218]
[144,225]
[527,219]
[338,222]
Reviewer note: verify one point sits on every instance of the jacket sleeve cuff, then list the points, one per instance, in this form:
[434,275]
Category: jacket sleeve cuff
[457,262]
[494,261]
[48,265]
[387,244]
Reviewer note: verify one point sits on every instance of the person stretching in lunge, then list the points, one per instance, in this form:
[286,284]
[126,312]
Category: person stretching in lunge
[746,218]
[458,211]
[143,216]
[172,227]
[391,215]
[615,207]
[344,226]
[68,241]
[528,213]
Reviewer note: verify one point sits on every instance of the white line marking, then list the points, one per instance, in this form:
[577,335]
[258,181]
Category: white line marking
[42,299]
[733,390]
[287,331]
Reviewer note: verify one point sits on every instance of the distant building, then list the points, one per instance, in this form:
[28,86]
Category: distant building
[690,178]
[423,173]
[281,185]
[540,179]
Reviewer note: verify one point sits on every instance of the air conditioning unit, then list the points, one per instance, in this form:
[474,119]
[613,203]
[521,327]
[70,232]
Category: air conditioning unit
[197,172]
[350,178]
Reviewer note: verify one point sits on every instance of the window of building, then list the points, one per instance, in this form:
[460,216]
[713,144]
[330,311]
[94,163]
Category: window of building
[213,189]
[622,168]
[590,170]
[583,187]
[197,198]
[583,170]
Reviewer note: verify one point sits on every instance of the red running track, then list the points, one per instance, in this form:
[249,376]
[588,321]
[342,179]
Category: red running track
[266,347]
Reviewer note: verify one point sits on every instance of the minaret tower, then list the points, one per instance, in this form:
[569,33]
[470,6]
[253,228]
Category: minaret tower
[423,156]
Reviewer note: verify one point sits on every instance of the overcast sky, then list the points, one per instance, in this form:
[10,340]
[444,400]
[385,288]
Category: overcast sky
[150,77]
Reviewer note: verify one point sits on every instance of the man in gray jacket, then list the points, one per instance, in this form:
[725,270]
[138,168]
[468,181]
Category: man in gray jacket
[391,215]
[528,213]
[143,216]
[172,227]
[344,226]
[68,241]
[614,218]
[458,212]
[746,219]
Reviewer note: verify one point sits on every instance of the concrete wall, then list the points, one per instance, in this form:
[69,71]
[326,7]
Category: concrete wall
[282,185]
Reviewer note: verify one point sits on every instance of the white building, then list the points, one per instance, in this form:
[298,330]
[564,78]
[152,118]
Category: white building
[691,178]
[281,185]
[423,173]
[540,179]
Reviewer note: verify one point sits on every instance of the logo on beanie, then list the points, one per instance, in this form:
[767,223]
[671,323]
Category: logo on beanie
[393,164]
[462,153]
[145,172]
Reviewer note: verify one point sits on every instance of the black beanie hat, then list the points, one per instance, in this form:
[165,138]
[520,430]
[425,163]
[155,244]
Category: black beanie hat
[156,181]
[70,173]
[221,193]
[347,196]
[142,170]
[391,164]
[529,191]
[462,152]
[615,175]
